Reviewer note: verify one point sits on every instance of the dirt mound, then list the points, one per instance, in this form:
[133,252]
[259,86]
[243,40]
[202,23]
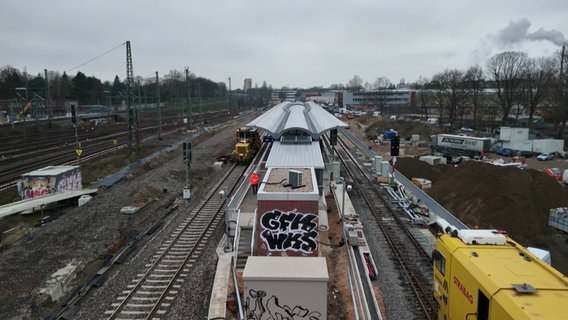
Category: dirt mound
[414,168]
[489,196]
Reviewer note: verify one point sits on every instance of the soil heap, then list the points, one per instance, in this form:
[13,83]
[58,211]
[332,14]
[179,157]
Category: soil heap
[489,196]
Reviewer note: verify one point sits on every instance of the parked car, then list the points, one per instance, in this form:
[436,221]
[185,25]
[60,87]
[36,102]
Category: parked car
[545,156]
[507,152]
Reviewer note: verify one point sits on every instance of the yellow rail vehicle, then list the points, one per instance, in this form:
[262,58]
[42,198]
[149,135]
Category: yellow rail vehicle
[248,144]
[483,274]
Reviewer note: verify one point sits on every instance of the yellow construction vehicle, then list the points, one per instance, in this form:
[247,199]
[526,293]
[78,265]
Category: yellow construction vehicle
[484,274]
[247,145]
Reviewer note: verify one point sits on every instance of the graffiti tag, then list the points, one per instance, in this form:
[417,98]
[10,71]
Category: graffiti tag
[289,231]
[270,309]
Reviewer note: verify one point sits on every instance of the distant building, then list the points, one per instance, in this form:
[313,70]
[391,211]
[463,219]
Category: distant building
[283,95]
[387,98]
[247,84]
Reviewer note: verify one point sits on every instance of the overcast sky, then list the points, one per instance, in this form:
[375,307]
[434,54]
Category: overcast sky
[294,43]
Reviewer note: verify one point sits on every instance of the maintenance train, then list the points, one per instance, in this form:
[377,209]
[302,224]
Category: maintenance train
[247,145]
[484,274]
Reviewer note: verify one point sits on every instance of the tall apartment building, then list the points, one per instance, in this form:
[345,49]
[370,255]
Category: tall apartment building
[247,84]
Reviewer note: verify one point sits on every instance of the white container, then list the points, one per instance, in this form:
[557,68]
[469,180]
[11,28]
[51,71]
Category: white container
[519,145]
[385,168]
[558,218]
[548,145]
[513,134]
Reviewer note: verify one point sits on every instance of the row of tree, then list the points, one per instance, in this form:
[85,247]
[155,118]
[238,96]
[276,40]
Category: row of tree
[17,86]
[512,84]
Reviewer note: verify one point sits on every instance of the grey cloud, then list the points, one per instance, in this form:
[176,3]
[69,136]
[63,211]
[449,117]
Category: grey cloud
[553,36]
[517,32]
[514,33]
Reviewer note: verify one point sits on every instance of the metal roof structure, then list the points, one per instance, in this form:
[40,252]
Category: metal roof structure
[283,155]
[50,171]
[306,117]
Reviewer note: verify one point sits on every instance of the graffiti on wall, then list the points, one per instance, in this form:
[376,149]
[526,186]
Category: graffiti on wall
[34,187]
[260,308]
[291,230]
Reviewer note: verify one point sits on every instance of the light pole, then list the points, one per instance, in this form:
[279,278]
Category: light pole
[344,189]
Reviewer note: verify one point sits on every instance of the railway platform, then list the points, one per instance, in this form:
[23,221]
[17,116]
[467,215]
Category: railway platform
[221,299]
[40,202]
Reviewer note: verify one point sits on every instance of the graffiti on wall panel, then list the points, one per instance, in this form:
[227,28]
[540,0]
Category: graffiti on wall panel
[291,230]
[259,308]
[34,187]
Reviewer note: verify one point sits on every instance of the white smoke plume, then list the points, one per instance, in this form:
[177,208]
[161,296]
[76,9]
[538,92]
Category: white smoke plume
[518,31]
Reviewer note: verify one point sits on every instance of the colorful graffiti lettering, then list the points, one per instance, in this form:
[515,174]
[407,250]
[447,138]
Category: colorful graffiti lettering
[289,231]
[259,309]
[33,187]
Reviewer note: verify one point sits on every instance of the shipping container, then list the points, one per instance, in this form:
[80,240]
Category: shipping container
[548,145]
[50,180]
[513,134]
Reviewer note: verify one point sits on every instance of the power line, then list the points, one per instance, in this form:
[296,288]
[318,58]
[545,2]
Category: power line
[95,58]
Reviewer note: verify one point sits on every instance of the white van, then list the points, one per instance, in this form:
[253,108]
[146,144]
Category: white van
[432,120]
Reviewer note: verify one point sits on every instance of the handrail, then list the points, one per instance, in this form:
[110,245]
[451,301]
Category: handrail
[253,233]
[237,292]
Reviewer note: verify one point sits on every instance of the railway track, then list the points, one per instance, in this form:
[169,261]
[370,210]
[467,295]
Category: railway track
[151,293]
[413,260]
[21,154]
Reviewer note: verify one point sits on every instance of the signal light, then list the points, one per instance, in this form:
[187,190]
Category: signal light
[395,146]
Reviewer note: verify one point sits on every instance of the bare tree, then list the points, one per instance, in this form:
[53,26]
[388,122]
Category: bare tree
[449,92]
[356,83]
[559,92]
[536,81]
[420,87]
[382,86]
[506,69]
[473,83]
[439,95]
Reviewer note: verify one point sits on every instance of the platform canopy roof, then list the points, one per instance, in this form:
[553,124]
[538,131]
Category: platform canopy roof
[305,117]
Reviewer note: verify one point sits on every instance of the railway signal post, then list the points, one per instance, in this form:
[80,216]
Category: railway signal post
[187,165]
[395,151]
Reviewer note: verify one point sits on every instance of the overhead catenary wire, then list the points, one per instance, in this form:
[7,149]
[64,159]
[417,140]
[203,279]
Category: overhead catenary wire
[95,58]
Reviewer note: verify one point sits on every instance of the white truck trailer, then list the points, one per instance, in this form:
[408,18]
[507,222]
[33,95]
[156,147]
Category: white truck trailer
[548,145]
[451,145]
